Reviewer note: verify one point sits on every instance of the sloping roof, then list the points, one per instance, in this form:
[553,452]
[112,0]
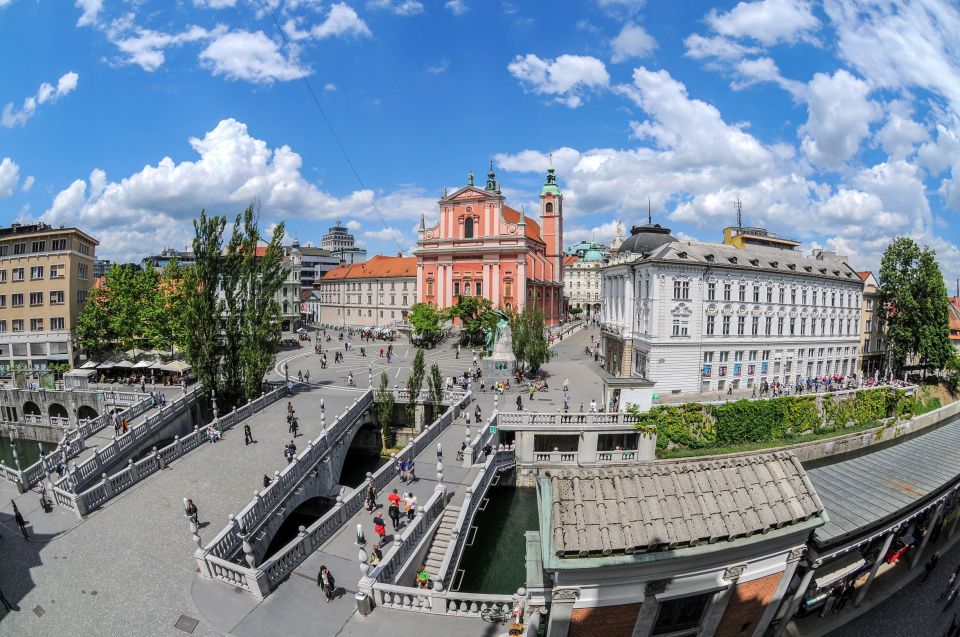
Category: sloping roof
[570,259]
[668,506]
[864,275]
[376,267]
[865,491]
[513,216]
[955,318]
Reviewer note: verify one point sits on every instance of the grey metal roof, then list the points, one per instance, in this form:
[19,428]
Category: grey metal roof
[757,258]
[864,491]
[667,506]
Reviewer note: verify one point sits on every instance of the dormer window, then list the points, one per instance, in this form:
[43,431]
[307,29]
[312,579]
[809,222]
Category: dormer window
[823,270]
[682,255]
[709,258]
[808,268]
[774,264]
[792,266]
[754,262]
[733,259]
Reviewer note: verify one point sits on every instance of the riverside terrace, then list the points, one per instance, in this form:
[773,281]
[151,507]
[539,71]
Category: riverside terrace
[104,553]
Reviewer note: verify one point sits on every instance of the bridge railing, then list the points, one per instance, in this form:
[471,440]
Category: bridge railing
[439,602]
[496,462]
[139,403]
[483,437]
[277,567]
[134,472]
[406,545]
[81,475]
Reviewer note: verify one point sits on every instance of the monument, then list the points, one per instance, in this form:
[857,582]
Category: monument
[499,362]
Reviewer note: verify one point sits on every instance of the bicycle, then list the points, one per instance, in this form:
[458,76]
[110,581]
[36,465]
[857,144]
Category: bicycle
[494,615]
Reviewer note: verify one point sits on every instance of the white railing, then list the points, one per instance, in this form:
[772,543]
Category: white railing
[482,439]
[440,602]
[405,545]
[514,421]
[496,463]
[109,486]
[80,475]
[278,567]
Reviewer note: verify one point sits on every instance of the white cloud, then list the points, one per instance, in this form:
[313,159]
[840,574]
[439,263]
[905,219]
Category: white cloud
[341,21]
[153,207]
[4,3]
[566,78]
[632,42]
[214,4]
[839,118]
[603,233]
[701,47]
[442,67]
[901,134]
[146,47]
[90,11]
[46,93]
[253,57]
[456,7]
[399,7]
[9,176]
[330,87]
[27,183]
[900,45]
[767,21]
[764,69]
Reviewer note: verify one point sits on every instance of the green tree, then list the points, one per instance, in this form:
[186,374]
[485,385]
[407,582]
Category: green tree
[576,310]
[476,317]
[94,331]
[914,306]
[425,320]
[415,381]
[384,400]
[164,316]
[202,305]
[436,384]
[529,342]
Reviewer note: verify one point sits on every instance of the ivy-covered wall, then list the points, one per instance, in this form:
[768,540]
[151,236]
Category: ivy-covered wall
[698,426]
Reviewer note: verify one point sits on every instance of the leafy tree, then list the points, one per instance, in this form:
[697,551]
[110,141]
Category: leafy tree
[576,310]
[415,381]
[914,306]
[529,343]
[164,316]
[202,305]
[436,384]
[94,331]
[425,320]
[384,399]
[476,317]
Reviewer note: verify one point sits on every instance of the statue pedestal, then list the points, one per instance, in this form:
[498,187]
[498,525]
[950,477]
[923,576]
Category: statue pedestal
[501,363]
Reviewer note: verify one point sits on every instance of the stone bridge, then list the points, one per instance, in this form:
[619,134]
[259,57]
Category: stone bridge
[238,554]
[45,414]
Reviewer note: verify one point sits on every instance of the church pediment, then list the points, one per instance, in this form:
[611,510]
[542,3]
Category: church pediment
[470,193]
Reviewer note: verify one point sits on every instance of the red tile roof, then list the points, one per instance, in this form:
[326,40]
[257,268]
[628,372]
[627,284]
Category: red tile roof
[513,216]
[570,259]
[377,267]
[863,275]
[955,318]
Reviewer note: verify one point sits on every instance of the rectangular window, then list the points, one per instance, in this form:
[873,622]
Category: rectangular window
[19,248]
[793,322]
[756,293]
[681,326]
[793,296]
[737,357]
[780,326]
[753,355]
[38,246]
[83,248]
[868,326]
[708,357]
[36,325]
[57,297]
[781,294]
[58,244]
[768,327]
[56,271]
[755,326]
[82,271]
[710,325]
[726,291]
[16,300]
[726,325]
[456,288]
[769,294]
[479,289]
[832,326]
[685,613]
[742,295]
[18,274]
[4,249]
[81,296]
[803,297]
[803,327]
[814,298]
[741,325]
[833,299]
[36,298]
[3,326]
[3,301]
[36,272]
[724,357]
[3,276]
[18,327]
[869,305]
[711,291]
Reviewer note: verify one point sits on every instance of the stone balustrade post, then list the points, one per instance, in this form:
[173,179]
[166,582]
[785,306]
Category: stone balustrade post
[107,485]
[178,446]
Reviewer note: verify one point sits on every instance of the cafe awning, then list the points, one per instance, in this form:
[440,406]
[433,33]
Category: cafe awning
[839,569]
[106,365]
[179,367]
[124,364]
[145,364]
[89,365]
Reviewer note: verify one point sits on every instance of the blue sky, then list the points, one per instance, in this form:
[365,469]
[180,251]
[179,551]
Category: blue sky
[834,122]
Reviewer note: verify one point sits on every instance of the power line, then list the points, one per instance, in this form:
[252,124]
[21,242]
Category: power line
[326,120]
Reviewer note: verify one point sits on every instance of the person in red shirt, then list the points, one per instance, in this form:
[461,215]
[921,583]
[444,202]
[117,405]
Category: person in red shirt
[394,509]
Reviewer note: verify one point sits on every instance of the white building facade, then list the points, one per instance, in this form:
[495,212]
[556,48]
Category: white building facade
[691,316]
[377,293]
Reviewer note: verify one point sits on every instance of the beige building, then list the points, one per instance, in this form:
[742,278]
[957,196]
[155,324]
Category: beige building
[376,293]
[45,276]
[872,341]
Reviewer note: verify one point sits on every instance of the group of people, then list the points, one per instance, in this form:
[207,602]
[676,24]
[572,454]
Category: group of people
[293,425]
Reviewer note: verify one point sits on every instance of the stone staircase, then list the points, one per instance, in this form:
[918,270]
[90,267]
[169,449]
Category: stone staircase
[438,547]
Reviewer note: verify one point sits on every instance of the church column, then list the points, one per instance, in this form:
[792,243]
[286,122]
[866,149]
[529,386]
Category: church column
[521,293]
[495,284]
[449,284]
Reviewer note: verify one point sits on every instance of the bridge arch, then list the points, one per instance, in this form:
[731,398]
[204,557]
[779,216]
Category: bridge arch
[362,455]
[306,513]
[86,412]
[56,410]
[31,408]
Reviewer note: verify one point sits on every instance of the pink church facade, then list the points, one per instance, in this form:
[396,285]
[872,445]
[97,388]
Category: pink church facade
[482,247]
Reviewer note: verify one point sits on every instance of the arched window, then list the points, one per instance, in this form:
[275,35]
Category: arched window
[548,207]
[466,289]
[468,228]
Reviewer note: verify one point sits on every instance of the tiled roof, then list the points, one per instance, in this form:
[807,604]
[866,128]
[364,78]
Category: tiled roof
[955,317]
[864,275]
[668,506]
[376,267]
[570,259]
[513,216]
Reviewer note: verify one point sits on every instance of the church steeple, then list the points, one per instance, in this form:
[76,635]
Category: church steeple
[491,179]
[550,186]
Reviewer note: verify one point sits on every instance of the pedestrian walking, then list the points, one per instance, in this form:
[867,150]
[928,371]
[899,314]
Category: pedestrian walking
[371,497]
[294,426]
[266,481]
[929,566]
[116,424]
[593,405]
[410,504]
[379,526]
[326,583]
[394,509]
[44,502]
[19,519]
[247,435]
[519,403]
[126,425]
[183,385]
[191,511]
[566,385]
[950,582]
[411,471]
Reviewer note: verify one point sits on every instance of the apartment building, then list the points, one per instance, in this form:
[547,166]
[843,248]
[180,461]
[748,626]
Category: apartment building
[376,293]
[45,275]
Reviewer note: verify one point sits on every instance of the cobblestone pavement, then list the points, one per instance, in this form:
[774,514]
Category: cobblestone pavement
[128,569]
